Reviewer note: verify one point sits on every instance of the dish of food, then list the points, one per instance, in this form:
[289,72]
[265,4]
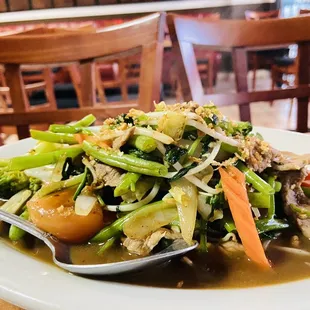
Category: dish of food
[126,188]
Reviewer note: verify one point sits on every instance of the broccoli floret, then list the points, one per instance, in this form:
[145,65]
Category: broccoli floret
[12,182]
[233,129]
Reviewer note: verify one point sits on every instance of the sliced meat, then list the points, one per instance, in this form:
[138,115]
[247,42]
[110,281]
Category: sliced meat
[258,154]
[145,246]
[122,139]
[291,161]
[106,175]
[232,248]
[296,203]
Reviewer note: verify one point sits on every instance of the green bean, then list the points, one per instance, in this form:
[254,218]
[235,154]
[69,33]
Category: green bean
[53,137]
[277,186]
[124,161]
[306,190]
[57,186]
[258,183]
[116,227]
[128,183]
[38,160]
[69,129]
[16,233]
[85,121]
[107,245]
[259,200]
[143,143]
[45,147]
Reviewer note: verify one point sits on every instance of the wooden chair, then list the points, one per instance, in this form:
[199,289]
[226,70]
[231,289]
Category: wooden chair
[287,67]
[258,15]
[144,34]
[237,36]
[261,58]
[205,63]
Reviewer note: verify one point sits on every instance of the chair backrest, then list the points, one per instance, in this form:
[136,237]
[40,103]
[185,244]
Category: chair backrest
[240,36]
[144,34]
[258,15]
[304,11]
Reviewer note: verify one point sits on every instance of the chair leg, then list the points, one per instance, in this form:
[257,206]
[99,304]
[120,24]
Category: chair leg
[291,108]
[273,83]
[23,131]
[255,67]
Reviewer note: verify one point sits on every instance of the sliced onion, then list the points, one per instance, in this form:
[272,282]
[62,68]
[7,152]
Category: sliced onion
[229,237]
[207,162]
[57,171]
[84,204]
[256,212]
[212,133]
[86,162]
[136,205]
[204,208]
[190,178]
[154,134]
[161,148]
[292,250]
[43,173]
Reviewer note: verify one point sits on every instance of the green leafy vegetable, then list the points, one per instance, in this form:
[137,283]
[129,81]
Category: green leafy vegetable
[173,154]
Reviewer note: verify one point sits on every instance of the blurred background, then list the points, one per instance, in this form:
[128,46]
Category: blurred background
[118,80]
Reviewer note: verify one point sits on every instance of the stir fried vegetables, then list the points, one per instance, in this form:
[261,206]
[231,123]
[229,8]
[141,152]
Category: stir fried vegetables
[181,171]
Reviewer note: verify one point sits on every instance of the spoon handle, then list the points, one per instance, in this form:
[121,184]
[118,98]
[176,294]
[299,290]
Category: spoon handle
[23,224]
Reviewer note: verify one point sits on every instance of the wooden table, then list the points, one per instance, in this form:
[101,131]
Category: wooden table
[6,306]
[74,13]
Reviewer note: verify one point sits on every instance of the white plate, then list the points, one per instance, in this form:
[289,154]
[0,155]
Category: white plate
[32,284]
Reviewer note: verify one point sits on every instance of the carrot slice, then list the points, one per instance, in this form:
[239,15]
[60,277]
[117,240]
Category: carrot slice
[233,182]
[80,137]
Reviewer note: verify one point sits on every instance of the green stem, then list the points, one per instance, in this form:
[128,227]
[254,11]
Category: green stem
[16,202]
[229,148]
[259,200]
[258,183]
[16,233]
[272,209]
[124,161]
[63,138]
[128,183]
[107,245]
[85,121]
[81,185]
[203,236]
[143,143]
[57,186]
[38,160]
[116,227]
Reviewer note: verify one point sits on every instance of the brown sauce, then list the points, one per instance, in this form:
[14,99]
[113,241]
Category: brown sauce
[210,270]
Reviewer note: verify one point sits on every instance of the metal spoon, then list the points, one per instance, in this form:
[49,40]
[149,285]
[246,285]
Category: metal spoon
[61,252]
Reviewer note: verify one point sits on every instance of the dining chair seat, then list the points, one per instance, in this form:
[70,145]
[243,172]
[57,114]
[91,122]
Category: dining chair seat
[284,61]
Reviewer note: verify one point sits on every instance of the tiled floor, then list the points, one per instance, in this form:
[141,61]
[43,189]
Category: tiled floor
[275,116]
